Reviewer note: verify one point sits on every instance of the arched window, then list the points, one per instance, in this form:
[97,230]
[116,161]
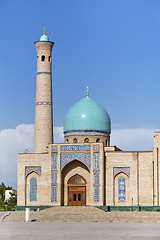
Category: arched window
[106,143]
[33,189]
[121,189]
[43,58]
[86,140]
[75,140]
[49,59]
[67,141]
[76,180]
[97,140]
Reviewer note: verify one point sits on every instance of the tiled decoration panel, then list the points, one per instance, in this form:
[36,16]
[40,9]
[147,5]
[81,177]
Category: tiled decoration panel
[117,170]
[121,189]
[54,161]
[54,193]
[28,170]
[96,194]
[96,148]
[96,160]
[75,148]
[96,177]
[33,189]
[54,148]
[54,177]
[83,157]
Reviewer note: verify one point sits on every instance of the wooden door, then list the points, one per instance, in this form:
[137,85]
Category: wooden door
[76,197]
[77,191]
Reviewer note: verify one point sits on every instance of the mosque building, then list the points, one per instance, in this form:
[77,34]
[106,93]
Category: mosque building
[85,169]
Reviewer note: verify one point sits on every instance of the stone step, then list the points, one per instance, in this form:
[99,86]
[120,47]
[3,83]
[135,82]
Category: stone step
[84,214]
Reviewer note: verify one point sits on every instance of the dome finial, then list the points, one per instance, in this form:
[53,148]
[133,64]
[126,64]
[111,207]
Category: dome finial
[87,92]
[44,31]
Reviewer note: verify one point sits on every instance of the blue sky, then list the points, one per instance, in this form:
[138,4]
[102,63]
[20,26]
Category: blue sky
[112,46]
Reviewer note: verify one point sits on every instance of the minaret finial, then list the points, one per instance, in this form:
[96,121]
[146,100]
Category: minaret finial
[87,92]
[44,31]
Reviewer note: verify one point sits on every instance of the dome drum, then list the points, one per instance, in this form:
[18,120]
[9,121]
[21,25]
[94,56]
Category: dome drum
[86,132]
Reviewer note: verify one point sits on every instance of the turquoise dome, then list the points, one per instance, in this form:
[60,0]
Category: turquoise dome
[87,117]
[44,38]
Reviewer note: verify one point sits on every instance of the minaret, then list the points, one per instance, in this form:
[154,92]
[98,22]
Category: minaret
[43,134]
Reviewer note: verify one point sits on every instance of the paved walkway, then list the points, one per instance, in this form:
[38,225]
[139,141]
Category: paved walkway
[79,231]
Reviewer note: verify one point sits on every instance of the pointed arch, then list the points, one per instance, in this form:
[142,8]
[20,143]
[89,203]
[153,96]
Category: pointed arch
[77,179]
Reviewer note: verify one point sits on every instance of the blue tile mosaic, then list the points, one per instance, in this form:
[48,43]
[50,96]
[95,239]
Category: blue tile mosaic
[54,161]
[96,148]
[96,194]
[96,177]
[28,170]
[96,160]
[83,157]
[117,170]
[54,193]
[33,189]
[54,148]
[38,73]
[43,103]
[75,148]
[121,189]
[54,177]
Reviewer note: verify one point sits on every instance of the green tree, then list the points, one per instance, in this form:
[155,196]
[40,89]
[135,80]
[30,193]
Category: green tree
[11,202]
[3,205]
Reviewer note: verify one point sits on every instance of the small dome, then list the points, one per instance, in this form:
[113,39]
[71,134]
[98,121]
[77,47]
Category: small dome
[87,117]
[44,38]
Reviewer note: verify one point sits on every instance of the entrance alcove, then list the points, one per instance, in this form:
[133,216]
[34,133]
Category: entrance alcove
[71,170]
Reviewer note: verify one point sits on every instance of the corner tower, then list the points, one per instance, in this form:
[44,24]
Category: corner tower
[43,134]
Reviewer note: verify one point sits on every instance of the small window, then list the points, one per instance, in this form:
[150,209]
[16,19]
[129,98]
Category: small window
[49,59]
[67,141]
[79,197]
[106,143]
[98,140]
[43,58]
[74,197]
[86,140]
[70,197]
[75,140]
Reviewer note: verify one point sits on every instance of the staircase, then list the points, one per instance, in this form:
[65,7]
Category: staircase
[84,214]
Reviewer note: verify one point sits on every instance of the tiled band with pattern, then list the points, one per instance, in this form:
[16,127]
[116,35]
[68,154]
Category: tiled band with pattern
[86,132]
[43,103]
[38,73]
[75,148]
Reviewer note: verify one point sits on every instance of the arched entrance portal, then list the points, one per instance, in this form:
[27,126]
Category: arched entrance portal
[76,191]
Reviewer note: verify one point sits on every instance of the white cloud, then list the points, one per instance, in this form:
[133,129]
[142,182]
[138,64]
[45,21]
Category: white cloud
[13,141]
